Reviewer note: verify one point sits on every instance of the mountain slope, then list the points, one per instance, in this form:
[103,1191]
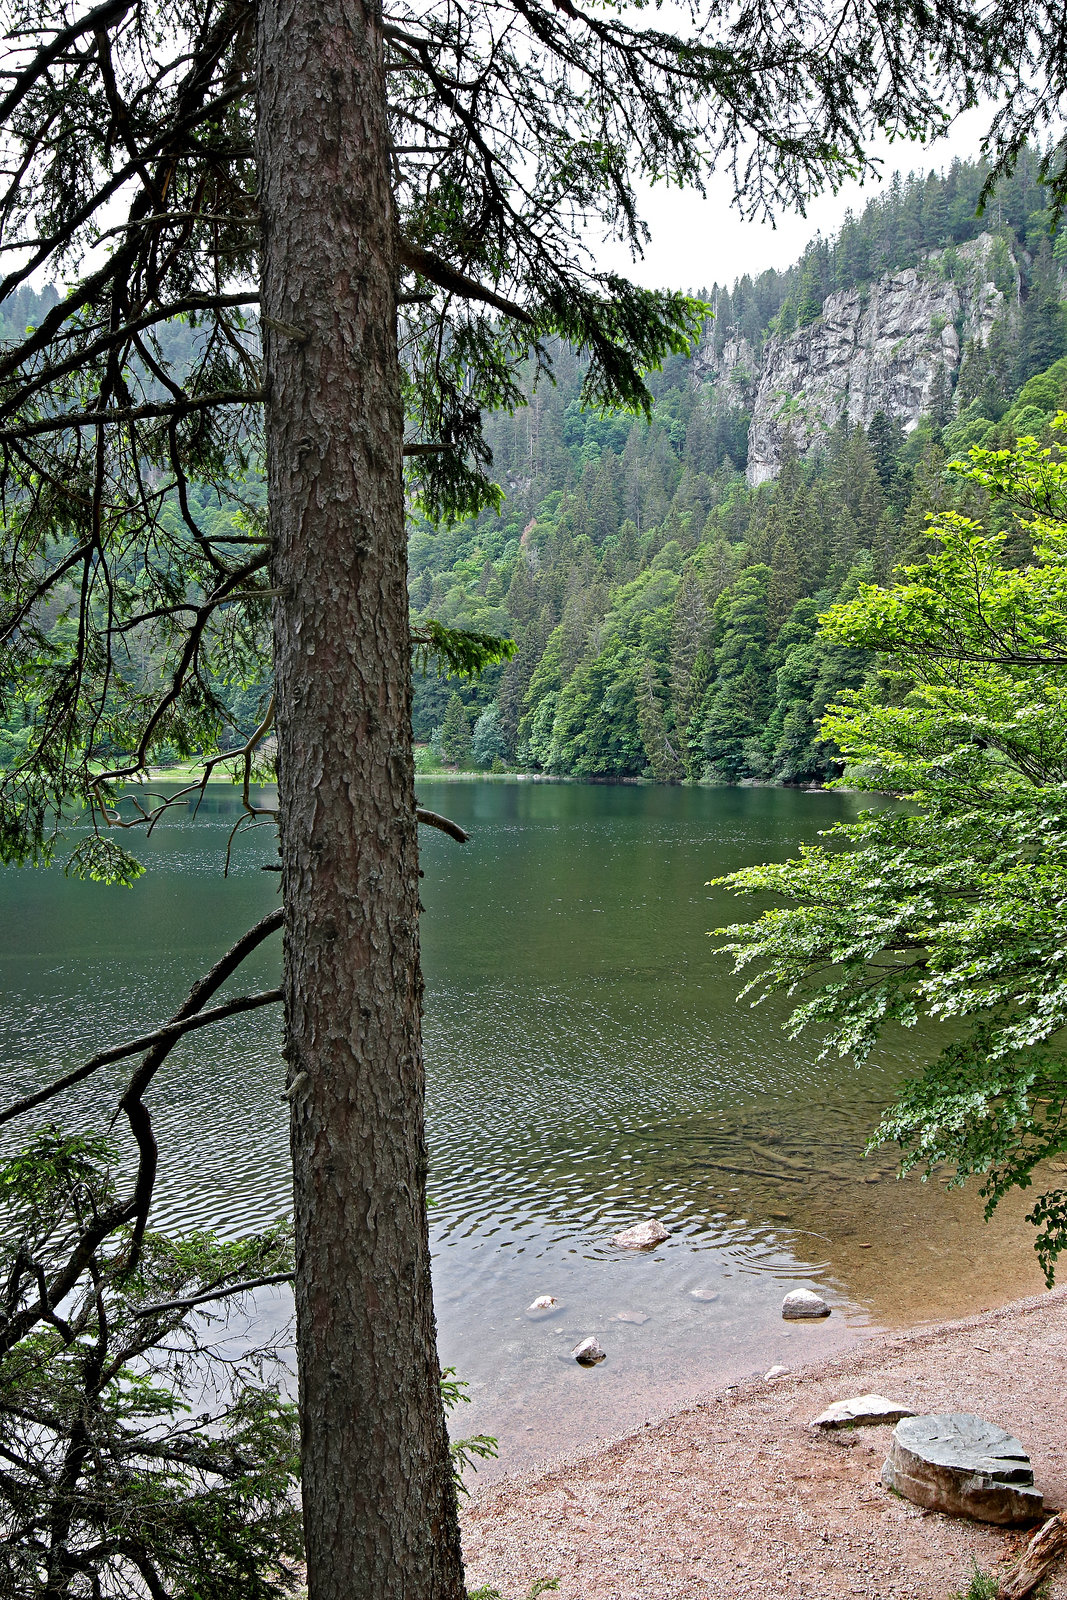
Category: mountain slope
[663,576]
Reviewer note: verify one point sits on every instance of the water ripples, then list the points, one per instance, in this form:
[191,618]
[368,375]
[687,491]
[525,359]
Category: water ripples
[588,1065]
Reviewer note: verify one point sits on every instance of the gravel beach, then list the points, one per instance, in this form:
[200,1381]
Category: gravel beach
[734,1496]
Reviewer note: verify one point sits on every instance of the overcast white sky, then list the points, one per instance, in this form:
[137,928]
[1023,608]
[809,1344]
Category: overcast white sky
[696,243]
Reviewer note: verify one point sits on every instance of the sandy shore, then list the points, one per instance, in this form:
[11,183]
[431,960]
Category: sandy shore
[734,1496]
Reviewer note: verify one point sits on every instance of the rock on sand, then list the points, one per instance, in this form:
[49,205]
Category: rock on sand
[864,1410]
[964,1465]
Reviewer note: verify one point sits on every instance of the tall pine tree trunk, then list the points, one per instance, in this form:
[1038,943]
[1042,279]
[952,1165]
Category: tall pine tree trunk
[380,1509]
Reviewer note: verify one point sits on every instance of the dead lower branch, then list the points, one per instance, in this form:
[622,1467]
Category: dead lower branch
[214,1294]
[433,819]
[169,1034]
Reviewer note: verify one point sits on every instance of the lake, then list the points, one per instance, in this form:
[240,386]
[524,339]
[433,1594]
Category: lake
[589,1065]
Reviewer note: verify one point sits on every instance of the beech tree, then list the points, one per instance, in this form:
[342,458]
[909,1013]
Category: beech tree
[949,908]
[279,231]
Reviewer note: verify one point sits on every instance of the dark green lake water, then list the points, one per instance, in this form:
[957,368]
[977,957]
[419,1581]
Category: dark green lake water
[589,1066]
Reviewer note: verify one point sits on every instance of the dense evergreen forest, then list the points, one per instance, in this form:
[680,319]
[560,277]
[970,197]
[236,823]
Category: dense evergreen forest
[665,611]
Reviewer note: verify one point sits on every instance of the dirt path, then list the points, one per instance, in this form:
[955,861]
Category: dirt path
[735,1497]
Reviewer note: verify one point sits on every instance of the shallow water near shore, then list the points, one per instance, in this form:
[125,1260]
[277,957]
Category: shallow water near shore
[589,1065]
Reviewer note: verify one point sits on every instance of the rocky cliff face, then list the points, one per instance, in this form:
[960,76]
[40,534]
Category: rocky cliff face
[893,346]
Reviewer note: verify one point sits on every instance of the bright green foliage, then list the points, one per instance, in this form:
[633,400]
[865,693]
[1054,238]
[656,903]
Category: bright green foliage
[983,1586]
[949,908]
[138,1458]
[462,650]
[478,1446]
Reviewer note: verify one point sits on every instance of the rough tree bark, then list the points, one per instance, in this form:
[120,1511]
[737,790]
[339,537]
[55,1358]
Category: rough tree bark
[1045,1550]
[379,1504]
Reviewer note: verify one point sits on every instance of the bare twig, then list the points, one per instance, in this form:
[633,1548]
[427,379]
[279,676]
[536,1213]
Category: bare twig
[168,1034]
[213,1294]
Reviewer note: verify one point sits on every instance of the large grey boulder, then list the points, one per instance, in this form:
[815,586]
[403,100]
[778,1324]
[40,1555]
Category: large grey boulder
[642,1236]
[800,1304]
[964,1466]
[862,1411]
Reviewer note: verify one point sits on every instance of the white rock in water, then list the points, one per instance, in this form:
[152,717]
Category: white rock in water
[631,1316]
[642,1236]
[588,1352]
[800,1303]
[863,1410]
[544,1302]
[775,1372]
[965,1466]
[704,1294]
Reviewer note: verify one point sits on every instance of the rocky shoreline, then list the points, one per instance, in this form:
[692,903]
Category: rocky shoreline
[737,1495]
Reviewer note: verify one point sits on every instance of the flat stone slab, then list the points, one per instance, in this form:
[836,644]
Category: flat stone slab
[642,1236]
[802,1303]
[965,1466]
[862,1411]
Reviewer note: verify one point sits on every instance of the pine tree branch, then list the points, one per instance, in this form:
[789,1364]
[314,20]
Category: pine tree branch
[126,414]
[214,1294]
[431,266]
[168,1034]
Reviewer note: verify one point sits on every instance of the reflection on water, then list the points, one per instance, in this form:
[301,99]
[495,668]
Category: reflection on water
[589,1066]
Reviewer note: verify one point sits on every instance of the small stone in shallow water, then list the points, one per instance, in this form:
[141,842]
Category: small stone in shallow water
[544,1302]
[588,1352]
[704,1294]
[631,1316]
[775,1372]
[642,1236]
[801,1303]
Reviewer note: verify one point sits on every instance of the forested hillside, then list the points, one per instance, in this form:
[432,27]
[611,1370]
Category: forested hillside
[665,607]
[663,588]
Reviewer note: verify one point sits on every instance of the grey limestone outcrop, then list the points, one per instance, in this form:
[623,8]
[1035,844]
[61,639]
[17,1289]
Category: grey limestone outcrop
[887,346]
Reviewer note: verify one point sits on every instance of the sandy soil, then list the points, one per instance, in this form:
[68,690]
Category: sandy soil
[735,1496]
